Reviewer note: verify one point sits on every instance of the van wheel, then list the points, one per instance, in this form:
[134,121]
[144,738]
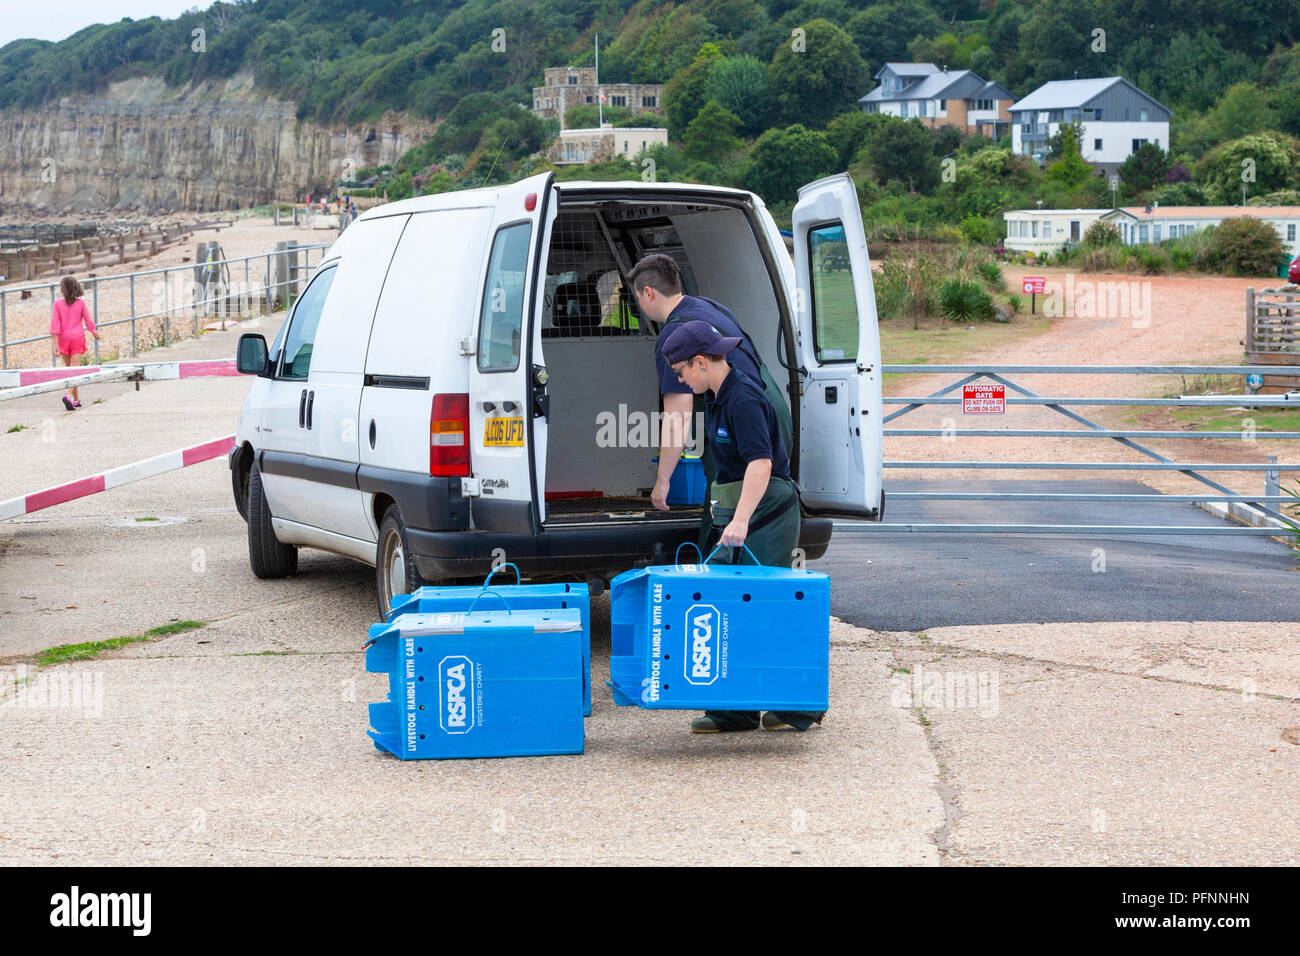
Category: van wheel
[395,571]
[269,558]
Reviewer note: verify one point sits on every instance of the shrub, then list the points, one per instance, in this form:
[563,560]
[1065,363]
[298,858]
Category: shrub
[1244,247]
[1181,258]
[945,233]
[1015,302]
[980,230]
[1152,261]
[1102,259]
[965,302]
[989,271]
[1101,233]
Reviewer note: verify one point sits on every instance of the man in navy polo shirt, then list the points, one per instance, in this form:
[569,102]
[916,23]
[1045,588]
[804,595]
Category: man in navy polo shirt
[657,284]
[754,502]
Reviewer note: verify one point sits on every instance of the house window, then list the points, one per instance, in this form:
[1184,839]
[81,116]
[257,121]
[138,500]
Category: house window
[1142,233]
[573,81]
[618,101]
[1155,233]
[588,99]
[1034,224]
[1138,144]
[1096,114]
[1142,116]
[1047,229]
[1290,232]
[1096,144]
[648,100]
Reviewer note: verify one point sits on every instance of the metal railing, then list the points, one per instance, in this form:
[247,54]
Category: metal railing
[162,293]
[1268,503]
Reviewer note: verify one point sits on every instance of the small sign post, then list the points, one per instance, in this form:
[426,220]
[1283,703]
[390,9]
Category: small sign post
[1034,286]
[984,399]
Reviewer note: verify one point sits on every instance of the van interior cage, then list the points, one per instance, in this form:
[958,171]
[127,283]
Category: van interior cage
[592,253]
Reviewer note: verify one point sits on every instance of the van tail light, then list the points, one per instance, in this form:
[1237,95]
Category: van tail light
[449,436]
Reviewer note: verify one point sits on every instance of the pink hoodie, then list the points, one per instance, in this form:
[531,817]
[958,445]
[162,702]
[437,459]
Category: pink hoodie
[66,323]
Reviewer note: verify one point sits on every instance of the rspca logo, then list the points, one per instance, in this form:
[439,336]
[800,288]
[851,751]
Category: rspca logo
[456,694]
[703,644]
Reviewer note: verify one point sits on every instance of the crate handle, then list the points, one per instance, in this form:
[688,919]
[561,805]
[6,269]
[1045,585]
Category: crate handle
[679,551]
[719,548]
[486,591]
[519,578]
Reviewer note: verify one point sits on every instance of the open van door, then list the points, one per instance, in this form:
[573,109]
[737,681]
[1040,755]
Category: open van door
[840,428]
[507,378]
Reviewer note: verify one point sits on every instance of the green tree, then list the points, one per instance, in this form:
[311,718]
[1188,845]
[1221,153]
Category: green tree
[1262,163]
[1244,246]
[883,31]
[785,159]
[849,131]
[685,93]
[903,151]
[1144,169]
[814,78]
[1243,109]
[711,135]
[739,84]
[1070,170]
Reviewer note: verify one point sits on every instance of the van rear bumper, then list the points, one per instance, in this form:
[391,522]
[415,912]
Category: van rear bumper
[571,551]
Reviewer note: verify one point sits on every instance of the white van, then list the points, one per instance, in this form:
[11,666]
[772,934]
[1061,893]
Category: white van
[465,376]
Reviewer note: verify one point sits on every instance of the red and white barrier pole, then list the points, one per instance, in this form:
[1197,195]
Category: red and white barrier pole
[93,484]
[20,383]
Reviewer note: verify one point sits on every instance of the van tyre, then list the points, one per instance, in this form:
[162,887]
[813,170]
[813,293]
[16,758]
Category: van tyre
[268,557]
[395,570]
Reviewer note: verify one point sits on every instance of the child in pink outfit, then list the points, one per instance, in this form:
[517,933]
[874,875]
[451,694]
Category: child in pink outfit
[66,328]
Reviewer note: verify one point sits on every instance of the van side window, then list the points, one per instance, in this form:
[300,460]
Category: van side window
[835,303]
[501,321]
[302,327]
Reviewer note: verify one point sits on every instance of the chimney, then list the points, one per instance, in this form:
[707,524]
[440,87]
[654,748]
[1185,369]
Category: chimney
[1148,208]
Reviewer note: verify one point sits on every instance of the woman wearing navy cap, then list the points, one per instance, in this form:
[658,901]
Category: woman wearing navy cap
[754,501]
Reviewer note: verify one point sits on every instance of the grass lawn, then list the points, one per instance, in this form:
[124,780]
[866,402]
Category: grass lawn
[941,343]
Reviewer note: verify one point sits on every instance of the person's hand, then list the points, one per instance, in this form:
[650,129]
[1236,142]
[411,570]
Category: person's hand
[734,534]
[659,496]
[96,335]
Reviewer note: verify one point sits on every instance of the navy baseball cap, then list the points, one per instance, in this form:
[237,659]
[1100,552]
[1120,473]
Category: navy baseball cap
[696,338]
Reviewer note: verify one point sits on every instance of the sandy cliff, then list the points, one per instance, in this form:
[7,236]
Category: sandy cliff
[213,146]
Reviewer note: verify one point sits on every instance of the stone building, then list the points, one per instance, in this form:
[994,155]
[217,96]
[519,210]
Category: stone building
[567,86]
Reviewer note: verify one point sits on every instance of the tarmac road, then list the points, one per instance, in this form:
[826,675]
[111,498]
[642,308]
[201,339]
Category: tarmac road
[918,581]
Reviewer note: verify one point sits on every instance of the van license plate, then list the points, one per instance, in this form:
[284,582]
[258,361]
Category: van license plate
[503,431]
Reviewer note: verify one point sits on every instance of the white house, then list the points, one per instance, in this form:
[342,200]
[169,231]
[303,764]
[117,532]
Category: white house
[1047,230]
[1155,223]
[595,145]
[1116,119]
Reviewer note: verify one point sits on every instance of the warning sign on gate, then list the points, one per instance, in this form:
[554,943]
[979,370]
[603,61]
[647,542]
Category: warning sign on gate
[1033,285]
[984,399]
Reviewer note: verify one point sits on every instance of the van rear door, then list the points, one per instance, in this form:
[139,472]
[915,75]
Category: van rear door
[507,378]
[840,428]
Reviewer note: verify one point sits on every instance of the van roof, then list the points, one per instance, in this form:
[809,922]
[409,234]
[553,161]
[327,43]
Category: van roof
[486,196]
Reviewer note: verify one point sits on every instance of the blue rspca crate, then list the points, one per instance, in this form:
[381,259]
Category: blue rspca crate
[537,597]
[481,684]
[720,637]
[688,485]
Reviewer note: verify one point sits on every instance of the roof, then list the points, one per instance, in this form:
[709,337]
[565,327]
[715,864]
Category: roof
[992,91]
[1210,212]
[1062,94]
[934,85]
[908,69]
[1055,212]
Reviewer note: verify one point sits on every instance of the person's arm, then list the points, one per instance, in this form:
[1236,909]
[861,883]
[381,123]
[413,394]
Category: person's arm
[757,474]
[678,407]
[85,317]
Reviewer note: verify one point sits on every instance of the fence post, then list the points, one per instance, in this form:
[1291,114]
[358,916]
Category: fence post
[132,284]
[167,305]
[4,333]
[1272,481]
[54,358]
[246,307]
[1250,319]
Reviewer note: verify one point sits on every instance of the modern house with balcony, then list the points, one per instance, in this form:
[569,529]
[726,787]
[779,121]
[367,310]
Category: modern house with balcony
[960,98]
[1116,118]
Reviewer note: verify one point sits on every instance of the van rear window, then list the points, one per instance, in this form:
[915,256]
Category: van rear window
[501,320]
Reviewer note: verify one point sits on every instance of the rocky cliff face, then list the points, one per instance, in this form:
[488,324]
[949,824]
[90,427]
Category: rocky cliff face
[143,146]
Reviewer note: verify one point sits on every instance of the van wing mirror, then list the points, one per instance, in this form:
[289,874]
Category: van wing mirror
[251,357]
